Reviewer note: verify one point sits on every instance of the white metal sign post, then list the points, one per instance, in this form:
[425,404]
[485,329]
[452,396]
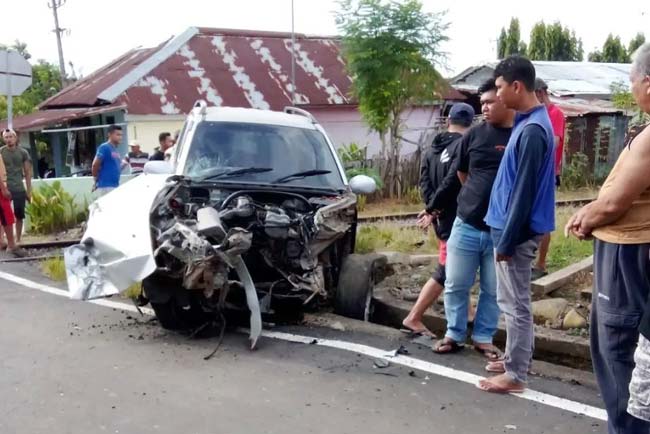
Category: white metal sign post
[15,78]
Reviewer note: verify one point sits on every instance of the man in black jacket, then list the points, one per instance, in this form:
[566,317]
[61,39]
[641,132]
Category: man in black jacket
[439,193]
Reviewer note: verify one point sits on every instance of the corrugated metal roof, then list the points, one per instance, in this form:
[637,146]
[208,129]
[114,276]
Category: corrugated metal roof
[225,67]
[563,78]
[573,107]
[41,118]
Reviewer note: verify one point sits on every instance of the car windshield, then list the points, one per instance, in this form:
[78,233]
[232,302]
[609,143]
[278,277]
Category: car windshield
[220,147]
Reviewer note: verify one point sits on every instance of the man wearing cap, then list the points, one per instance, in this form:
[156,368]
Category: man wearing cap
[439,193]
[136,159]
[18,164]
[470,246]
[558,123]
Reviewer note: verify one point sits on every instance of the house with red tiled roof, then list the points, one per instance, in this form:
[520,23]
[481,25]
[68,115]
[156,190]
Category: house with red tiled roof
[150,90]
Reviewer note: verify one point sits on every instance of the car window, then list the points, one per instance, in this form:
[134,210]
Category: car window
[224,146]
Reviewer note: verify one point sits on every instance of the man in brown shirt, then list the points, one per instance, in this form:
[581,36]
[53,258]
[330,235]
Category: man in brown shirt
[619,221]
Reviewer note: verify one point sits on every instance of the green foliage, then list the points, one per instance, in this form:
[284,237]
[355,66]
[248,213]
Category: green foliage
[362,201]
[413,196]
[613,51]
[577,173]
[509,42]
[554,42]
[54,268]
[52,210]
[46,81]
[133,291]
[565,251]
[635,43]
[623,99]
[353,158]
[391,49]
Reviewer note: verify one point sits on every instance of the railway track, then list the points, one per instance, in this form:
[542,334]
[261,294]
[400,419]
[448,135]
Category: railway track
[362,220]
[413,215]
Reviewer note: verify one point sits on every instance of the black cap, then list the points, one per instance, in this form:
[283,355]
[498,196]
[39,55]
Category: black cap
[540,84]
[462,114]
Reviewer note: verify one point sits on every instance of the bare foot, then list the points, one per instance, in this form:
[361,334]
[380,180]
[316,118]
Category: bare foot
[502,384]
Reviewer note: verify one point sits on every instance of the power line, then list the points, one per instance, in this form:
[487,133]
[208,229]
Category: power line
[55,5]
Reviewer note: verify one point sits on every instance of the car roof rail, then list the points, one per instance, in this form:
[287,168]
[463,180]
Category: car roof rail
[202,105]
[301,112]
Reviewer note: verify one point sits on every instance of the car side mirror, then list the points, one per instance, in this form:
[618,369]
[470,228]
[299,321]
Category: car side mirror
[158,168]
[362,184]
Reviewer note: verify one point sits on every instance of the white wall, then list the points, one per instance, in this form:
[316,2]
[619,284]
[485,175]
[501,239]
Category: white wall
[145,128]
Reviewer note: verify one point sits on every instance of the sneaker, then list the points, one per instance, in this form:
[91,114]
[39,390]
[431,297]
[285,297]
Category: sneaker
[18,252]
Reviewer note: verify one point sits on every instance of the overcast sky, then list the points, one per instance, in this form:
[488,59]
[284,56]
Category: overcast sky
[102,30]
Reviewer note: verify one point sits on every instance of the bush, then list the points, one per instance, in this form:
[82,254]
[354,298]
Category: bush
[353,158]
[577,173]
[52,210]
[413,196]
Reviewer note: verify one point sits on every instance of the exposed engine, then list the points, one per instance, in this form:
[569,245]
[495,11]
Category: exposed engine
[202,234]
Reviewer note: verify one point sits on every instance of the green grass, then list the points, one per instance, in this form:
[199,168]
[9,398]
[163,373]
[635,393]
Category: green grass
[566,251]
[133,291]
[54,268]
[387,236]
[396,237]
[580,193]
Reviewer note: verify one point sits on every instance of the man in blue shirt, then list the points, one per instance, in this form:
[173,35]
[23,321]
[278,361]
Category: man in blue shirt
[521,210]
[108,164]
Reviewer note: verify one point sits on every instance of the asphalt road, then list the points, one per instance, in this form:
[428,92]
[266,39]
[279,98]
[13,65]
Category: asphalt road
[75,367]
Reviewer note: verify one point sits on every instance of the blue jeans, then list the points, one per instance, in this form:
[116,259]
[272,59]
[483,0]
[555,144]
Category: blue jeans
[469,249]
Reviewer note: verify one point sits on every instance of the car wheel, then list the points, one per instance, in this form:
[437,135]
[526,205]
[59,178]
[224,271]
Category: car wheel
[167,316]
[355,287]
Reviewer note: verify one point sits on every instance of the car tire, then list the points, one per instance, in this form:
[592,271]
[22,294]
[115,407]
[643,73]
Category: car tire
[167,315]
[355,287]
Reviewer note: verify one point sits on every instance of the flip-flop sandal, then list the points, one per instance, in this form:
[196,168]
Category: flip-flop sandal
[493,354]
[454,347]
[487,386]
[419,332]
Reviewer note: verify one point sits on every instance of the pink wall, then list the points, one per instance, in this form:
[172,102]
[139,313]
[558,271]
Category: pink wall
[344,125]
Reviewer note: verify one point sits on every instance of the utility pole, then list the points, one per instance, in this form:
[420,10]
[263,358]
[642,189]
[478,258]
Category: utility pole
[55,5]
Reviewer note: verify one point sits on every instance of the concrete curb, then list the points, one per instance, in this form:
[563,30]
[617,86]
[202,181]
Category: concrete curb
[550,345]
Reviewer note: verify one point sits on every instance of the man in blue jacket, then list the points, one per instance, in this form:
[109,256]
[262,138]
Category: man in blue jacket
[521,210]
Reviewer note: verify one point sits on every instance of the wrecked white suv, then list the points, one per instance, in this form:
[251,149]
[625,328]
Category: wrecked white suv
[253,211]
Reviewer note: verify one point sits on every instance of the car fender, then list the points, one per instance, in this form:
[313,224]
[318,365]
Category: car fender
[116,249]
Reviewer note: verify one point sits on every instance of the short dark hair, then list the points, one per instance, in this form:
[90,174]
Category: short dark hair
[163,136]
[113,128]
[517,68]
[487,86]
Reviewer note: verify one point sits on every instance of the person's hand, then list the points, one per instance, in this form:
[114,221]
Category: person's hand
[425,221]
[5,191]
[576,226]
[503,258]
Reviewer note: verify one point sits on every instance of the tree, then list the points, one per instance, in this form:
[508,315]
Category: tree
[613,52]
[635,43]
[554,42]
[46,81]
[392,50]
[622,98]
[510,42]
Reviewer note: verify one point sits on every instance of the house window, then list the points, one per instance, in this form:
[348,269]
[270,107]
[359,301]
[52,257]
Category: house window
[110,120]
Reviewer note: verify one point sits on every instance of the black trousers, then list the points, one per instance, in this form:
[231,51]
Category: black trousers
[621,289]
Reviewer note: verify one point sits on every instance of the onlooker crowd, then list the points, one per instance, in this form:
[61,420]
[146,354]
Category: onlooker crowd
[489,192]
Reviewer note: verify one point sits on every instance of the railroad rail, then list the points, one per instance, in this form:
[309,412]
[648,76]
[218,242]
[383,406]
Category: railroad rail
[414,215]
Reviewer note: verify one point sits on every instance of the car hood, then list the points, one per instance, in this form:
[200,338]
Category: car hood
[115,251]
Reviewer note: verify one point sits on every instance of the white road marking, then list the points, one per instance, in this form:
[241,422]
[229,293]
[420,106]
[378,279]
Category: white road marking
[411,362]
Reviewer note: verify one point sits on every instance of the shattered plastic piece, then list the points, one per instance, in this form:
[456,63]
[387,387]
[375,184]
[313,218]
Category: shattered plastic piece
[251,300]
[381,364]
[314,342]
[412,374]
[511,427]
